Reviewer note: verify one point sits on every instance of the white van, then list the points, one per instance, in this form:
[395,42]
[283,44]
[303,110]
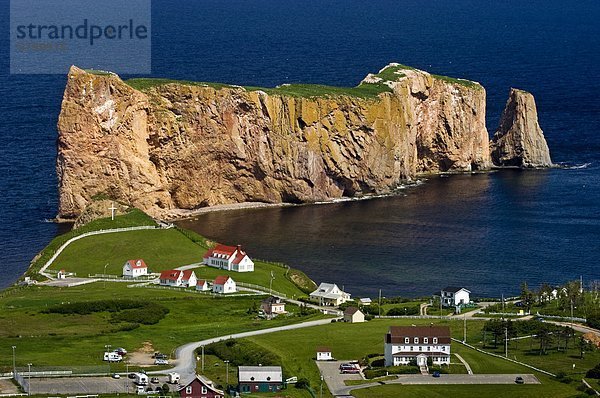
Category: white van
[174,377]
[112,357]
[141,379]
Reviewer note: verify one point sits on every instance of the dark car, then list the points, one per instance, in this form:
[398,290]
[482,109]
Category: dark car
[154,380]
[436,374]
[519,380]
[131,376]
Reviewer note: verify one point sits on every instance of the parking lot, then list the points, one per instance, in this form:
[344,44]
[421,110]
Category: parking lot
[86,385]
[334,378]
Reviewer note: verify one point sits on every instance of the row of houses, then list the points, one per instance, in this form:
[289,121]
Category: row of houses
[228,258]
[222,284]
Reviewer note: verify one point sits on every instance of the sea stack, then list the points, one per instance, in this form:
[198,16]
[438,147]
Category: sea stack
[519,140]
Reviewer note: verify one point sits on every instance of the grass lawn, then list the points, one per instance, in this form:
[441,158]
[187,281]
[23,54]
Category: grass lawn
[161,249]
[62,340]
[548,389]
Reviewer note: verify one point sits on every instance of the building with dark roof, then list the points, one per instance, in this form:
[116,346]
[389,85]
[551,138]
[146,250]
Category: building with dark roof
[406,344]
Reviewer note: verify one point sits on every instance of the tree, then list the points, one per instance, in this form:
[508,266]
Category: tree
[544,336]
[165,388]
[526,296]
[583,345]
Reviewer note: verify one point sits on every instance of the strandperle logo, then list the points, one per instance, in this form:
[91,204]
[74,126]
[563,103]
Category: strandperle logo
[48,36]
[85,31]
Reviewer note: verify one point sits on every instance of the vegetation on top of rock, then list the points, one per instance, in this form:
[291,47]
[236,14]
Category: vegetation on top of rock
[390,73]
[462,82]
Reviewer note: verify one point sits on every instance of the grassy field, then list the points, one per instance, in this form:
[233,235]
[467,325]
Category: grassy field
[54,339]
[161,249]
[135,217]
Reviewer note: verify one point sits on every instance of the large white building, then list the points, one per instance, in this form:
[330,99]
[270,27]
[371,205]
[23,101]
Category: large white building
[230,258]
[404,344]
[453,296]
[135,268]
[329,294]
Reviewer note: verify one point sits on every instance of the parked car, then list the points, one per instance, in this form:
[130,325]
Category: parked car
[159,355]
[436,374]
[349,368]
[519,380]
[161,362]
[121,351]
[154,380]
[112,357]
[116,376]
[131,375]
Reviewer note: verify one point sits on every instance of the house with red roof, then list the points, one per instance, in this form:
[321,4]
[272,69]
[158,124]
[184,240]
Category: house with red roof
[199,387]
[178,278]
[224,285]
[202,286]
[135,268]
[229,258]
[406,344]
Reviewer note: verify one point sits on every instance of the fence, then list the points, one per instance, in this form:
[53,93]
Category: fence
[86,234]
[261,288]
[503,357]
[193,291]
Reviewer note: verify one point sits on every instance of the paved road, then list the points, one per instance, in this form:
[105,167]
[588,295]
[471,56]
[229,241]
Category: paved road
[185,354]
[330,370]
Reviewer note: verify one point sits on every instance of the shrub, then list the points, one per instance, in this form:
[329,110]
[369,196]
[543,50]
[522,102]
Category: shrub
[399,311]
[593,320]
[240,352]
[372,373]
[165,388]
[378,363]
[302,383]
[593,373]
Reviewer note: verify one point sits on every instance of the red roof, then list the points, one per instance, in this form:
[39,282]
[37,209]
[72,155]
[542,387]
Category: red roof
[171,274]
[226,251]
[137,263]
[201,282]
[187,274]
[220,280]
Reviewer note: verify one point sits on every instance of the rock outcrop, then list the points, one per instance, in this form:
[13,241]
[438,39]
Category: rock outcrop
[174,145]
[519,140]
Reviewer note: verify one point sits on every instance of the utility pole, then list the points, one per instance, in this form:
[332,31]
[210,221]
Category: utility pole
[379,303]
[506,342]
[126,377]
[321,394]
[503,302]
[271,283]
[107,347]
[571,309]
[465,328]
[104,275]
[227,373]
[14,363]
[29,378]
[202,359]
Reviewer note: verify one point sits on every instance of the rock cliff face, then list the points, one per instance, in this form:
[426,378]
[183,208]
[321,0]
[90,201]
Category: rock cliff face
[519,140]
[176,145]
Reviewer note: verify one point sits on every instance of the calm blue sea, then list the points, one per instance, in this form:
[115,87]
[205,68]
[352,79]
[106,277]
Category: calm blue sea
[487,232]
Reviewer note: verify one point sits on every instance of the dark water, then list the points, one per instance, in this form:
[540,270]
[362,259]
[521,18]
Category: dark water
[483,231]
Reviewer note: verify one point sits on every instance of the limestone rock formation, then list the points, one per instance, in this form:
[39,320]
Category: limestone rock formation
[168,146]
[519,140]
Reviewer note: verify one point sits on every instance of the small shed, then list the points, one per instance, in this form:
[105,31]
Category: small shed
[353,315]
[324,354]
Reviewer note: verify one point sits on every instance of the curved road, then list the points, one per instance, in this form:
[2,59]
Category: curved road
[186,357]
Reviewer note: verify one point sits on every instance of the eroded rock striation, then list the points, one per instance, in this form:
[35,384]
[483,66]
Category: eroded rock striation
[164,146]
[519,140]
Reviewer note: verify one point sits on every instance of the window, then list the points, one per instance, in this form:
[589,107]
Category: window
[188,390]
[416,340]
[435,340]
[406,340]
[204,390]
[425,340]
[420,348]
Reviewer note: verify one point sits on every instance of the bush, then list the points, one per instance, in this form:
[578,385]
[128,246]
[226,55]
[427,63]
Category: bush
[593,320]
[165,388]
[372,373]
[302,383]
[378,363]
[399,311]
[593,373]
[240,352]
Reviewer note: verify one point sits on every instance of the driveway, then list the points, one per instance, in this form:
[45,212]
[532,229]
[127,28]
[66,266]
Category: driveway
[330,370]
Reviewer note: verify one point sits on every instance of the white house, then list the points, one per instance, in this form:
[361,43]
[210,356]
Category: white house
[453,296]
[365,301]
[324,354]
[353,315]
[329,294]
[178,278]
[230,258]
[272,306]
[135,268]
[224,285]
[202,286]
[404,344]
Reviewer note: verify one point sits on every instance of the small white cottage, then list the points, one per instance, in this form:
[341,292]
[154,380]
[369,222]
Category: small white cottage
[202,285]
[135,268]
[224,285]
[324,354]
